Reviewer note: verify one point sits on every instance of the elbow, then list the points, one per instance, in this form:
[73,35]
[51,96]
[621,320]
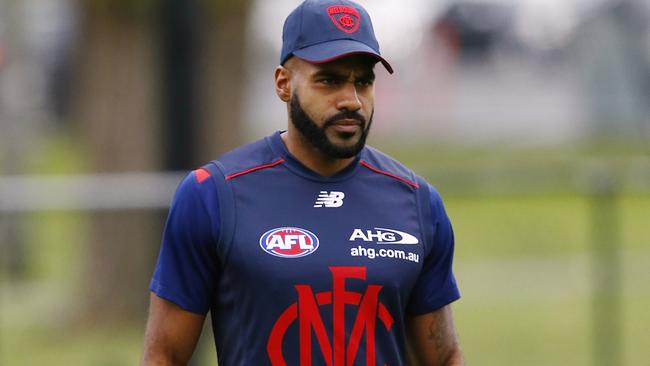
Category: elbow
[454,358]
[152,358]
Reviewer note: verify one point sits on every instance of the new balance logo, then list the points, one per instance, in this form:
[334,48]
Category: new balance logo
[329,199]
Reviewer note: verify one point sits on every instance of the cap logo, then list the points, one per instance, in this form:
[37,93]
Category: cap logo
[345,18]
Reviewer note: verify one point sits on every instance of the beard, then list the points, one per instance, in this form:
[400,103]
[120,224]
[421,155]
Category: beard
[317,136]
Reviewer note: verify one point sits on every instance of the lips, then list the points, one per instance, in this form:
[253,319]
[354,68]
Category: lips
[345,128]
[347,125]
[347,122]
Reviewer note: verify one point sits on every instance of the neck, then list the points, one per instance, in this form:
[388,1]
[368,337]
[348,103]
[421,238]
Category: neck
[311,157]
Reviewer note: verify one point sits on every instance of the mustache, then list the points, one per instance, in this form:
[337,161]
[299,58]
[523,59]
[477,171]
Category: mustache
[345,115]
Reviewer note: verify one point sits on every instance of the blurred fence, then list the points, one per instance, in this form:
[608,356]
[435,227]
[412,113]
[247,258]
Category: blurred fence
[87,192]
[125,191]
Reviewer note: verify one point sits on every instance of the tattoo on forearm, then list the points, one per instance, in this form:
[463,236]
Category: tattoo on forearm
[443,336]
[437,329]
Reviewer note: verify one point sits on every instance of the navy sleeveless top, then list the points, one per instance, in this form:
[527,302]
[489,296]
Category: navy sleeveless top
[300,269]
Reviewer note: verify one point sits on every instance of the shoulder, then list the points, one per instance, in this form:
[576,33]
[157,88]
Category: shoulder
[436,198]
[196,193]
[251,156]
[193,186]
[382,163]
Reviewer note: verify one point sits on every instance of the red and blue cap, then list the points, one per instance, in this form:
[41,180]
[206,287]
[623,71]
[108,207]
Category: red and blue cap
[320,31]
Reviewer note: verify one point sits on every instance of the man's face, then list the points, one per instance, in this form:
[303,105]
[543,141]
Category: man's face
[332,104]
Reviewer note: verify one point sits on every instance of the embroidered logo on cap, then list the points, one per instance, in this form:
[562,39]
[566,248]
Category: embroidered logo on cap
[346,18]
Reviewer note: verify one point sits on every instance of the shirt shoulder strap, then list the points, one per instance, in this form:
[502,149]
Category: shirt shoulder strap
[227,205]
[423,197]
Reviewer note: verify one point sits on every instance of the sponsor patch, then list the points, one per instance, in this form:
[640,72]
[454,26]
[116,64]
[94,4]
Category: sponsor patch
[372,253]
[289,242]
[383,236]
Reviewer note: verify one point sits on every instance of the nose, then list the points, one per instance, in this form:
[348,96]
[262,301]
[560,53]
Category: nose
[349,98]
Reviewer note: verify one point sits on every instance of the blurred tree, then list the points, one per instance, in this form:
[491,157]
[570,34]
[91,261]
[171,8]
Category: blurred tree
[117,111]
[179,34]
[203,58]
[223,65]
[114,110]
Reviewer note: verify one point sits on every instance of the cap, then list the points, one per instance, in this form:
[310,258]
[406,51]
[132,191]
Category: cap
[319,31]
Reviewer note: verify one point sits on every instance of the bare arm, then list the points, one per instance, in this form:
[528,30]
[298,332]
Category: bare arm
[433,340]
[172,334]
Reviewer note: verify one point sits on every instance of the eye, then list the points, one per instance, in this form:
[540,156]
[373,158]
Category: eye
[329,81]
[365,82]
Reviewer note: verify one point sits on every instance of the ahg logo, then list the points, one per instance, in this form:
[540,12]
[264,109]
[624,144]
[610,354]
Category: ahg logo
[384,236]
[335,352]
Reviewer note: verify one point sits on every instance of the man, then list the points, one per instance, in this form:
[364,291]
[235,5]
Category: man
[308,247]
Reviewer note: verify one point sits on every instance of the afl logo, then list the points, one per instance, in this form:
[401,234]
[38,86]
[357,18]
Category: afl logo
[289,242]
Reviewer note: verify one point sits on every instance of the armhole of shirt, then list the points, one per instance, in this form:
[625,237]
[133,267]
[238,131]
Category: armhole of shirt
[425,214]
[227,208]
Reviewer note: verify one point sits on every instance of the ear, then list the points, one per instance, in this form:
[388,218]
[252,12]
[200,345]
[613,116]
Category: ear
[283,83]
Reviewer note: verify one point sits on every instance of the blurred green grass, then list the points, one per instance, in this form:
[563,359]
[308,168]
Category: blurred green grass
[526,272]
[47,346]
[523,262]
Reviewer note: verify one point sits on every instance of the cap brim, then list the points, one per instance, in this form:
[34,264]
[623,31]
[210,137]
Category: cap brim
[333,50]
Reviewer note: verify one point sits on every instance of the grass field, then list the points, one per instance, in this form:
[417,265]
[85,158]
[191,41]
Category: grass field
[524,261]
[527,273]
